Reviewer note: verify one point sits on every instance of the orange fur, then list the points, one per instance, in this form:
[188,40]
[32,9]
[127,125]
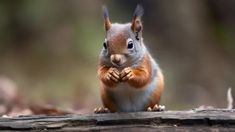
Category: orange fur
[141,74]
[156,95]
[105,83]
[107,99]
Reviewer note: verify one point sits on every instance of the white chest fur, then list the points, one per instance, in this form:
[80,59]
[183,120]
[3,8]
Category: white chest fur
[130,99]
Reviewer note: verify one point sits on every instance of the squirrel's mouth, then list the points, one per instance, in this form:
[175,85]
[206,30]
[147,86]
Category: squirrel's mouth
[120,64]
[117,64]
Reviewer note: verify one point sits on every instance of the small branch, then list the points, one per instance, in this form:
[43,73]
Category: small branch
[229,99]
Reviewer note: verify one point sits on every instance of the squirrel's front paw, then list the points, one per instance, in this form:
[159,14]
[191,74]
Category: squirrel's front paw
[113,74]
[126,74]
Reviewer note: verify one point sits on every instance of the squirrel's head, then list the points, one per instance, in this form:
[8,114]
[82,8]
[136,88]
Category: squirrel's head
[123,45]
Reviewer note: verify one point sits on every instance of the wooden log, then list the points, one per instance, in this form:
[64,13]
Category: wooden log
[193,120]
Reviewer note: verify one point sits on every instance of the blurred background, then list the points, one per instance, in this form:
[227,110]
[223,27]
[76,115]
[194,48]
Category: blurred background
[49,49]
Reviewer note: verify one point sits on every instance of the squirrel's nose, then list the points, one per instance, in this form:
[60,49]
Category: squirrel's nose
[116,58]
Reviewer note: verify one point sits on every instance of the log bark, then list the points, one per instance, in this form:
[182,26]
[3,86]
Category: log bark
[192,120]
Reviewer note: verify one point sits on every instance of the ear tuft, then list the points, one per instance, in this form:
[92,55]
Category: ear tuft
[136,24]
[105,12]
[107,23]
[139,11]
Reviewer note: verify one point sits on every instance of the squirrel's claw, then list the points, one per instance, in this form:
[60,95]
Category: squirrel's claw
[127,77]
[126,74]
[101,110]
[113,74]
[156,108]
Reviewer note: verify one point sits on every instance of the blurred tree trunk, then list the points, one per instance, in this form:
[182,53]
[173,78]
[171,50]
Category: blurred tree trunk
[203,66]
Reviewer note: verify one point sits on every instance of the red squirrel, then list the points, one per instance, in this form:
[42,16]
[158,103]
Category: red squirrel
[130,79]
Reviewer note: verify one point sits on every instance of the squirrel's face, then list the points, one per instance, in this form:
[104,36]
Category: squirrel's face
[123,42]
[121,46]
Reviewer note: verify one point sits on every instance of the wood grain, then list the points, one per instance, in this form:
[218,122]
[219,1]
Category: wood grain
[192,120]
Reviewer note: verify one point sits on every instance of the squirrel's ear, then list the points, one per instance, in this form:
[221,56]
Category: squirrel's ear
[136,24]
[107,23]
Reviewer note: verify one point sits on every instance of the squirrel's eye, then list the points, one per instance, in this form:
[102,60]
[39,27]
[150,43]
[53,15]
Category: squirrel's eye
[105,45]
[130,44]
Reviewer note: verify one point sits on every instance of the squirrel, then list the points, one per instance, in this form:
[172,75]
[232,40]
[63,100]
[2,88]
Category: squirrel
[130,79]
